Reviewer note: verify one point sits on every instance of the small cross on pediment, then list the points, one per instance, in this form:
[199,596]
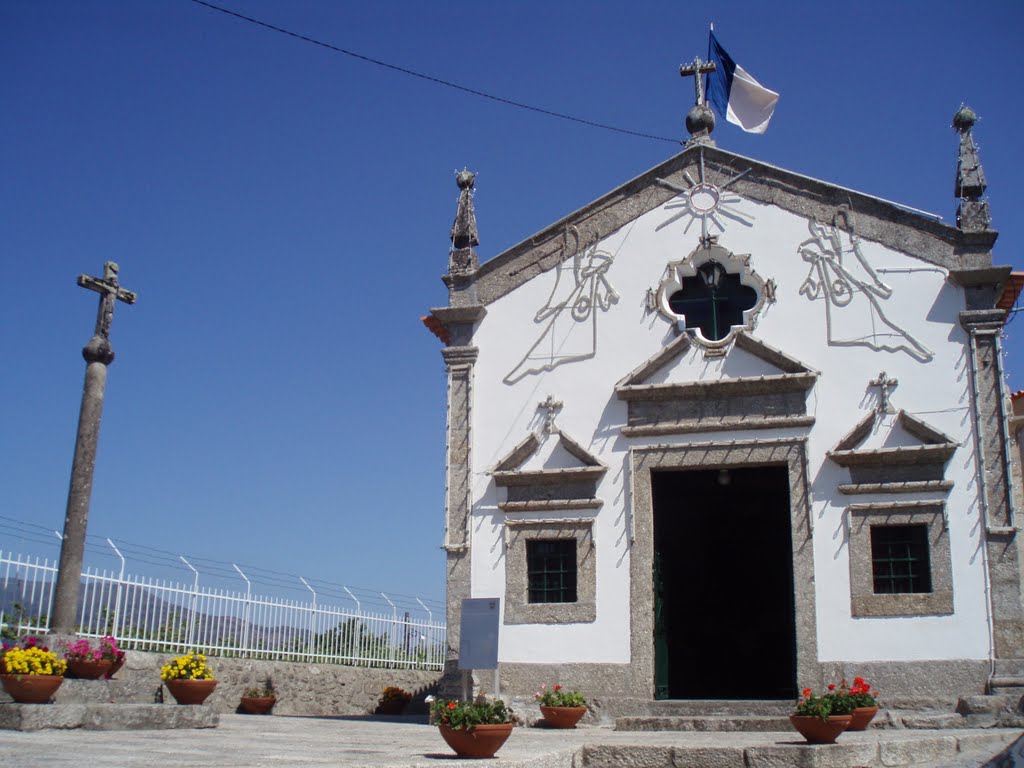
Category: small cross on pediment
[885,386]
[551,407]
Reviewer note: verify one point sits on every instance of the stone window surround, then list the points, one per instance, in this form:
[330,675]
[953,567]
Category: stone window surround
[788,452]
[863,600]
[518,609]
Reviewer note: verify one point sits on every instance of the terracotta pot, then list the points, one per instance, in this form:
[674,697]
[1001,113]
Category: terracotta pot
[477,742]
[190,691]
[392,707]
[818,731]
[31,689]
[88,669]
[114,666]
[861,717]
[563,717]
[257,705]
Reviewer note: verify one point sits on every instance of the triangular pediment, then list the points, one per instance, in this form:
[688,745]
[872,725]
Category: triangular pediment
[772,399]
[566,480]
[911,455]
[898,227]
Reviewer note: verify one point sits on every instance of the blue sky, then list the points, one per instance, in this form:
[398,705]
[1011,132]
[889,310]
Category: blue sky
[283,213]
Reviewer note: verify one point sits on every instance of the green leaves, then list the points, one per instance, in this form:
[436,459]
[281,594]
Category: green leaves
[467,714]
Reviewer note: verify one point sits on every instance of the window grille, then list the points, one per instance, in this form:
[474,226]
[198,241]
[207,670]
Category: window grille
[551,570]
[899,559]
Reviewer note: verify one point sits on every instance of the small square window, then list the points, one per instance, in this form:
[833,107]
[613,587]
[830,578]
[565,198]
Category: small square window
[899,559]
[551,570]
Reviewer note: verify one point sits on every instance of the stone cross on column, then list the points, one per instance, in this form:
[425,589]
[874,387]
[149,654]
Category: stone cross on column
[884,384]
[98,355]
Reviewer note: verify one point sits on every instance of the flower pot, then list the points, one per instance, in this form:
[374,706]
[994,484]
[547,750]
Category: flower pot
[88,669]
[190,691]
[391,707]
[31,689]
[477,742]
[562,717]
[257,705]
[861,717]
[818,731]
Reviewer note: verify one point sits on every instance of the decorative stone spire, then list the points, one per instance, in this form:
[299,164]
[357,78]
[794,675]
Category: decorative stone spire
[464,235]
[700,120]
[972,215]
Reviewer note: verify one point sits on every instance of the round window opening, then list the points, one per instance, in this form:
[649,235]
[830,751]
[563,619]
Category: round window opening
[712,300]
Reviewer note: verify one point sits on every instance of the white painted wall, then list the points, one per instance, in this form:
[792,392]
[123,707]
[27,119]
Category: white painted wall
[937,391]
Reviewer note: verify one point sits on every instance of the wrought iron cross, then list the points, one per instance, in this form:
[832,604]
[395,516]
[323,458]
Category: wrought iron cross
[695,69]
[884,384]
[109,289]
[552,407]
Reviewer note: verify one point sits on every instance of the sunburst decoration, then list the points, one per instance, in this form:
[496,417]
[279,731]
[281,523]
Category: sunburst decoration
[705,202]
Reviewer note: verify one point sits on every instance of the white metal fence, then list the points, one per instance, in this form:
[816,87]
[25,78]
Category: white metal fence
[159,615]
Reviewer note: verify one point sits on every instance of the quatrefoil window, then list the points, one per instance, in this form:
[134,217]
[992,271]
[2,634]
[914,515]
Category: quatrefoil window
[711,294]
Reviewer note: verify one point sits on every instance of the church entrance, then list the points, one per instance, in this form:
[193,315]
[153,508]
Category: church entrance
[725,624]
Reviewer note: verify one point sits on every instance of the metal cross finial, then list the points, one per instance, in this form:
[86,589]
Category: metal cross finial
[552,407]
[695,69]
[884,384]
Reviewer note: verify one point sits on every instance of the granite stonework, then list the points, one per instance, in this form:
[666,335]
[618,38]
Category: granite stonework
[788,452]
[105,717]
[518,609]
[301,688]
[864,601]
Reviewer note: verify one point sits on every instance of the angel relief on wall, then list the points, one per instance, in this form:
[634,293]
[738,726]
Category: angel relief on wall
[853,295]
[569,316]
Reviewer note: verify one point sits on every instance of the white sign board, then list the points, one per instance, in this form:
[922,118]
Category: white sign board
[478,637]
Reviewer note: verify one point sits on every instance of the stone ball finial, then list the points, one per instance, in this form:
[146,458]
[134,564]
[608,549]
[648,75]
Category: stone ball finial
[465,179]
[700,120]
[964,119]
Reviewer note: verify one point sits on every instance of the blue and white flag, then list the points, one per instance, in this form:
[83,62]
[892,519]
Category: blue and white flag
[737,96]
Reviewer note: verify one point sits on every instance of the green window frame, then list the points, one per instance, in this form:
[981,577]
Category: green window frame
[900,562]
[551,571]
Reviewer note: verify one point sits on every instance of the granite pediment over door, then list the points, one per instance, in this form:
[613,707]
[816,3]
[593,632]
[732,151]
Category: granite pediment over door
[763,401]
[913,468]
[573,486]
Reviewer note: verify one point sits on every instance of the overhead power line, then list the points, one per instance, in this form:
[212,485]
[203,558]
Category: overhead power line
[431,78]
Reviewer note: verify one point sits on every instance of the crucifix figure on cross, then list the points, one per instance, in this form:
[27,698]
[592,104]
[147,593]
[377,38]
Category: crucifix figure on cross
[110,291]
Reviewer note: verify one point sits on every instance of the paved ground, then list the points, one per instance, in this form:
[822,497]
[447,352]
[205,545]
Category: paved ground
[287,742]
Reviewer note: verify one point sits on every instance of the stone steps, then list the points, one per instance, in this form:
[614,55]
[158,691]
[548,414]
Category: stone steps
[105,717]
[696,723]
[956,749]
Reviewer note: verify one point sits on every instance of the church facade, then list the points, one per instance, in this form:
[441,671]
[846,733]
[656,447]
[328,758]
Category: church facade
[728,432]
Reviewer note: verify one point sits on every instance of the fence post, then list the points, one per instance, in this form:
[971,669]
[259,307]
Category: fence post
[116,627]
[394,627]
[195,598]
[312,614]
[248,610]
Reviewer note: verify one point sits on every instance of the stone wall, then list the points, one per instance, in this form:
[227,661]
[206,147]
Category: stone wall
[302,688]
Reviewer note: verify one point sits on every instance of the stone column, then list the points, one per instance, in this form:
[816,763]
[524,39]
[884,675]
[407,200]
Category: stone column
[1002,543]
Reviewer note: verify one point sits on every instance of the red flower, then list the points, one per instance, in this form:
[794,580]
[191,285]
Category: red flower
[557,687]
[831,686]
[451,705]
[807,692]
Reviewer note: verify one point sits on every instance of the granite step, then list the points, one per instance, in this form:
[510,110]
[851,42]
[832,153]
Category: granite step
[853,750]
[106,717]
[697,723]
